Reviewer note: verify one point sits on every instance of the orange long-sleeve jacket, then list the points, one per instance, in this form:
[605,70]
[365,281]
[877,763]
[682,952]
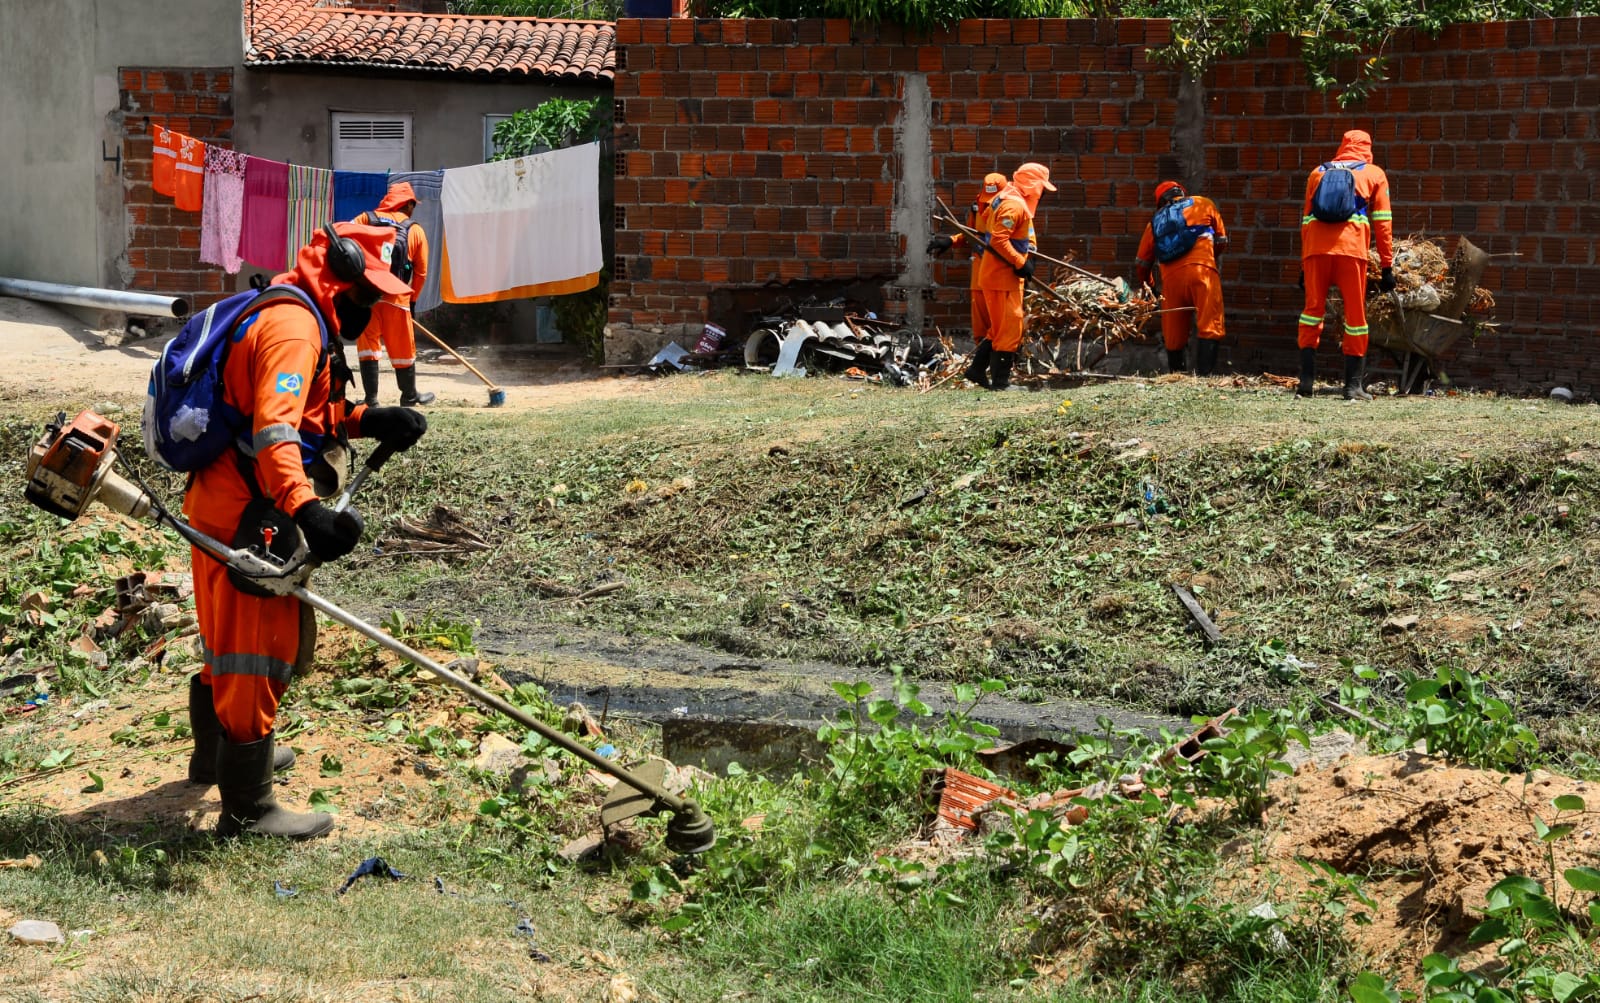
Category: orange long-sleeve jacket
[1011,240]
[416,240]
[1199,212]
[279,375]
[978,219]
[1374,218]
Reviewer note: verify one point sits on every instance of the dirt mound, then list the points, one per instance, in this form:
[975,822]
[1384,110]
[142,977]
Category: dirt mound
[1428,840]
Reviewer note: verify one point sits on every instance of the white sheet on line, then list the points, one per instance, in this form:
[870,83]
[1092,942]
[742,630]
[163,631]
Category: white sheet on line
[524,221]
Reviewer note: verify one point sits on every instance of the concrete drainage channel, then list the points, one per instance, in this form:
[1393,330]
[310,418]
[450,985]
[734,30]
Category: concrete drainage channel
[714,709]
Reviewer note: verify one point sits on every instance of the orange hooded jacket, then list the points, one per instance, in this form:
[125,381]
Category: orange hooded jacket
[1374,217]
[1011,233]
[276,373]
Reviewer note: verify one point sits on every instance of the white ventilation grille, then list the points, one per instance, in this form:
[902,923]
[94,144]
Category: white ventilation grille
[371,143]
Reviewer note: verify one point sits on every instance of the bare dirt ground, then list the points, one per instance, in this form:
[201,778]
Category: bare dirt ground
[1429,840]
[50,353]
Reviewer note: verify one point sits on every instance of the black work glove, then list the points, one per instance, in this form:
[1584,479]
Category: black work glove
[399,427]
[1026,271]
[940,244]
[330,535]
[1386,283]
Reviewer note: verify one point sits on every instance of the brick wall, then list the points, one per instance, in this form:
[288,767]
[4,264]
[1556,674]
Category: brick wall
[163,250]
[763,152]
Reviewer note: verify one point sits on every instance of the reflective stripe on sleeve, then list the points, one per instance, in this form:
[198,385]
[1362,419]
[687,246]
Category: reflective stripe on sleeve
[271,435]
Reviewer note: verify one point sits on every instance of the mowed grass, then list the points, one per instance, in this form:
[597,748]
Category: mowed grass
[1035,537]
[775,518]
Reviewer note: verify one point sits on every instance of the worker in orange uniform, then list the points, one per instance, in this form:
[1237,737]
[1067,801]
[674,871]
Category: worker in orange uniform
[1185,238]
[280,374]
[1346,208]
[978,220]
[1008,264]
[391,320]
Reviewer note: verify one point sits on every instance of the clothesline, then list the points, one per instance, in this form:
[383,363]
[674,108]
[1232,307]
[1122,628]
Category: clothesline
[510,229]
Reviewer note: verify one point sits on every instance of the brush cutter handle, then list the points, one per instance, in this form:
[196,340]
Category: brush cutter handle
[379,457]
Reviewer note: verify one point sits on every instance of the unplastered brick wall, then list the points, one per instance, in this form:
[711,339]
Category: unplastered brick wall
[773,153]
[163,251]
[1488,131]
[765,152]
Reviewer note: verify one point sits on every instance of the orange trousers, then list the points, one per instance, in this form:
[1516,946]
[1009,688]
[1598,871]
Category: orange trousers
[1349,275]
[980,309]
[1003,308]
[1199,286]
[251,647]
[391,329]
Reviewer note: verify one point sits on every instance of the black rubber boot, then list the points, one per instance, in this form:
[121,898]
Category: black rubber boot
[207,730]
[1000,371]
[1176,363]
[369,381]
[1205,357]
[1355,371]
[407,378]
[1308,372]
[244,779]
[978,371]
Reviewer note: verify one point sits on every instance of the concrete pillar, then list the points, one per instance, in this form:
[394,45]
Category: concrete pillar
[913,193]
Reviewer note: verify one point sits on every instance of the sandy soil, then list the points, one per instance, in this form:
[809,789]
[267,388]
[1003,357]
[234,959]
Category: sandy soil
[49,352]
[1429,839]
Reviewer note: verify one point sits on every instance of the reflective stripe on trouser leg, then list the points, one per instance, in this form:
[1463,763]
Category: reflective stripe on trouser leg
[1350,275]
[399,340]
[1005,317]
[250,645]
[1318,276]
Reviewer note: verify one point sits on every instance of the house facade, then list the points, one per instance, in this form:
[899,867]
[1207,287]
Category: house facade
[405,87]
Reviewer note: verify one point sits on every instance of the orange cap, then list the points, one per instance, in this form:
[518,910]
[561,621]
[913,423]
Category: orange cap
[1034,173]
[1167,186]
[993,182]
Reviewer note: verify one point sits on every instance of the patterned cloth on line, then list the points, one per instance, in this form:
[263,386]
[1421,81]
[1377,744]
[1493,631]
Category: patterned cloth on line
[222,214]
[310,204]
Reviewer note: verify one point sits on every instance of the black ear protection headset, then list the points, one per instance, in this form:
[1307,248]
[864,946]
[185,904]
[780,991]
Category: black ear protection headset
[345,258]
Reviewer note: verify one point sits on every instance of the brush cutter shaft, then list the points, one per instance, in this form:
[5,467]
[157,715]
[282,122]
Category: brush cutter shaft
[489,700]
[440,342]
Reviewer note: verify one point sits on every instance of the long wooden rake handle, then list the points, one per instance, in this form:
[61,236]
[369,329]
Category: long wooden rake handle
[440,342]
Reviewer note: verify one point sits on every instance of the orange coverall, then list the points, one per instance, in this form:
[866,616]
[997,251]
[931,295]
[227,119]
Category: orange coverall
[251,644]
[978,219]
[1335,254]
[1191,280]
[1011,240]
[391,318]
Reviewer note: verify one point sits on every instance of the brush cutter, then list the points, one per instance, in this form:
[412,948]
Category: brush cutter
[72,465]
[497,396]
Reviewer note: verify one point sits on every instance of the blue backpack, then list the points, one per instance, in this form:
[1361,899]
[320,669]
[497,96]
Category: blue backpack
[186,422]
[1174,236]
[1335,199]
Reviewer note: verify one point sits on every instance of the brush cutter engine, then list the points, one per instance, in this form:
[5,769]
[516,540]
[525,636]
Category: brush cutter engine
[73,466]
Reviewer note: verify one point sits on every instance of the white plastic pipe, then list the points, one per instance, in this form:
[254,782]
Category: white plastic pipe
[143,304]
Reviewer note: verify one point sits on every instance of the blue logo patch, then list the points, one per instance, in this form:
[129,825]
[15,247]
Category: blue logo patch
[290,383]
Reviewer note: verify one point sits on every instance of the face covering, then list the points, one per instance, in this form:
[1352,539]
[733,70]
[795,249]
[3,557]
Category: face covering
[352,313]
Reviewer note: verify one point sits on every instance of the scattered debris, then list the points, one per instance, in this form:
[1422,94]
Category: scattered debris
[524,928]
[373,866]
[620,989]
[284,891]
[1016,759]
[29,863]
[36,931]
[1202,622]
[497,754]
[1400,624]
[444,532]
